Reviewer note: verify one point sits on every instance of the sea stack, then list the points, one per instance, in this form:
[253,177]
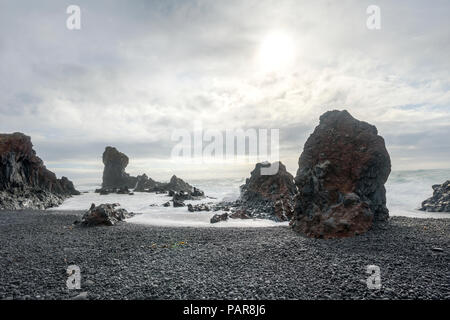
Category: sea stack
[440,201]
[25,182]
[114,175]
[340,179]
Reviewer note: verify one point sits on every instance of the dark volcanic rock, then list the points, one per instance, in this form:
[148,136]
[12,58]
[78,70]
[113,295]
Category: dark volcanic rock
[240,214]
[263,196]
[104,214]
[25,182]
[341,176]
[440,201]
[116,180]
[114,175]
[270,195]
[198,207]
[219,217]
[145,183]
[177,184]
[178,203]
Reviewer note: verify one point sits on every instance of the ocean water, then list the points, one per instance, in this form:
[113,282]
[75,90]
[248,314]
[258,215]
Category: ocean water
[405,190]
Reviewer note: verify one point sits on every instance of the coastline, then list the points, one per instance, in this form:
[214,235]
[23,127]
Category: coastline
[134,261]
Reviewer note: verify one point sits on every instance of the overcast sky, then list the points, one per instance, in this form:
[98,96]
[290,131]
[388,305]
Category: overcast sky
[137,70]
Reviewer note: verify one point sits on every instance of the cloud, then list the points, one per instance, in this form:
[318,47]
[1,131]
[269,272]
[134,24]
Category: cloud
[136,72]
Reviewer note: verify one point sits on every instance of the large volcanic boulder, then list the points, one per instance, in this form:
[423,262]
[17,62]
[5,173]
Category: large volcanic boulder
[104,214]
[341,177]
[440,201]
[25,182]
[114,175]
[268,196]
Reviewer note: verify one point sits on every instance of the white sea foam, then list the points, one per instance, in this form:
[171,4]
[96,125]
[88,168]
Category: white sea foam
[405,192]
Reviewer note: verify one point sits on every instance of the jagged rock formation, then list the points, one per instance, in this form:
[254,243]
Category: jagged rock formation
[104,214]
[116,180]
[114,175]
[440,201]
[269,196]
[25,182]
[341,177]
[262,196]
[144,183]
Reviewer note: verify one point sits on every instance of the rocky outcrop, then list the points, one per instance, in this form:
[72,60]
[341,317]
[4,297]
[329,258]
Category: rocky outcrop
[269,196]
[263,196]
[440,201]
[114,175]
[25,182]
[198,207]
[144,183]
[341,177]
[116,180]
[104,214]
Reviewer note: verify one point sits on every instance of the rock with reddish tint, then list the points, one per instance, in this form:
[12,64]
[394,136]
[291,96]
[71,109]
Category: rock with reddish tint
[440,201]
[104,215]
[341,177]
[25,182]
[270,195]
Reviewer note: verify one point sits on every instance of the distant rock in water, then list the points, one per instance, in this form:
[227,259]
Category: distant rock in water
[145,183]
[341,177]
[25,182]
[219,217]
[114,175]
[440,201]
[104,214]
[116,180]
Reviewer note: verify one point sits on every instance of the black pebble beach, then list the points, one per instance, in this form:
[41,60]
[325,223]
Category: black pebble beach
[131,261]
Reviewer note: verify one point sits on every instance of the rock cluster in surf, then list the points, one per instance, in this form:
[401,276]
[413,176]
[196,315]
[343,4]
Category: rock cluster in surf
[265,195]
[440,201]
[116,180]
[341,177]
[25,182]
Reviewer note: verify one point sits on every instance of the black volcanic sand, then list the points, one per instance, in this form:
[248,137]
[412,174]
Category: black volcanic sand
[131,261]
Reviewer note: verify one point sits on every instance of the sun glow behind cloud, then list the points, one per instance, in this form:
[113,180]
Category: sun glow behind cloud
[135,73]
[276,52]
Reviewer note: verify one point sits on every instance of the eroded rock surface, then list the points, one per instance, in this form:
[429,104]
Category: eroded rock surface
[341,177]
[114,175]
[440,201]
[25,182]
[104,214]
